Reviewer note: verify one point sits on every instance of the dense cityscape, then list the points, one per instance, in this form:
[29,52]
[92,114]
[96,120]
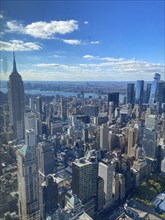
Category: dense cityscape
[83,157]
[82,110]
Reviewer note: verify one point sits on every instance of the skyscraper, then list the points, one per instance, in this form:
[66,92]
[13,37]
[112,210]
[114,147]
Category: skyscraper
[63,108]
[147,93]
[27,175]
[154,88]
[139,92]
[16,102]
[130,93]
[84,179]
[106,172]
[104,137]
[114,97]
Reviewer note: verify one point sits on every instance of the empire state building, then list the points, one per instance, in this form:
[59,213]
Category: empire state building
[16,102]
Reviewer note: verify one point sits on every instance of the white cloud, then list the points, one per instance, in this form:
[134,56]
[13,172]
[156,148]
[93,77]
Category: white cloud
[88,57]
[47,65]
[86,22]
[42,29]
[72,41]
[95,42]
[121,66]
[18,45]
[14,26]
[58,56]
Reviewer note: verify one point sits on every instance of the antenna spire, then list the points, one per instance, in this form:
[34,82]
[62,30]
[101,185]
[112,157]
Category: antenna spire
[14,62]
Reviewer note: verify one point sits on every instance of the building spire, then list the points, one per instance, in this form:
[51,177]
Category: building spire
[14,63]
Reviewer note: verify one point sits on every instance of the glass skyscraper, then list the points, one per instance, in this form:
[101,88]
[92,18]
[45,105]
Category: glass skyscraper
[130,93]
[154,88]
[139,92]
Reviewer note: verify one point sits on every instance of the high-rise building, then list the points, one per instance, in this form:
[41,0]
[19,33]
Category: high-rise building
[64,108]
[115,186]
[130,93]
[106,172]
[32,121]
[104,137]
[111,111]
[27,175]
[30,140]
[45,156]
[84,179]
[39,104]
[160,92]
[132,135]
[114,97]
[49,195]
[16,102]
[100,194]
[154,88]
[147,93]
[139,92]
[121,186]
[150,144]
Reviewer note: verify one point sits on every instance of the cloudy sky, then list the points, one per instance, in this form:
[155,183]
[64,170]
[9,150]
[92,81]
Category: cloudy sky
[83,40]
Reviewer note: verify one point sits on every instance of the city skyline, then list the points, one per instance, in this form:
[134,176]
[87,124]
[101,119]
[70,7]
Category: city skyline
[83,41]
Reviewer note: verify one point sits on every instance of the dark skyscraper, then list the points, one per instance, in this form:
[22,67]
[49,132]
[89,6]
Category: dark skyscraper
[160,92]
[154,88]
[130,93]
[139,92]
[16,102]
[147,94]
[114,97]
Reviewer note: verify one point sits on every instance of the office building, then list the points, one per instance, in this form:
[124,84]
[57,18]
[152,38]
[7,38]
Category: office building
[132,137]
[114,97]
[151,122]
[111,111]
[32,121]
[147,93]
[130,93]
[106,173]
[16,102]
[30,140]
[139,92]
[45,156]
[84,179]
[48,202]
[122,187]
[63,104]
[104,137]
[38,101]
[27,176]
[150,143]
[160,92]
[115,186]
[154,89]
[100,194]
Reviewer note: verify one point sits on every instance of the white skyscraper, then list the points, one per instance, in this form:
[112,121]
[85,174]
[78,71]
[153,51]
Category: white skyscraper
[27,176]
[106,172]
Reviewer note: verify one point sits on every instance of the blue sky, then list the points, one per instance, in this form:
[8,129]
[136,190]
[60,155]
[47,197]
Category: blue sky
[83,40]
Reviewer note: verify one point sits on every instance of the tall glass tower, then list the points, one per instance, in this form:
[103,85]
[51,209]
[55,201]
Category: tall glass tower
[139,92]
[16,102]
[130,93]
[154,88]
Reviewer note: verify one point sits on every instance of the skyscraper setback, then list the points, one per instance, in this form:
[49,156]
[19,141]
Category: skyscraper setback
[16,102]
